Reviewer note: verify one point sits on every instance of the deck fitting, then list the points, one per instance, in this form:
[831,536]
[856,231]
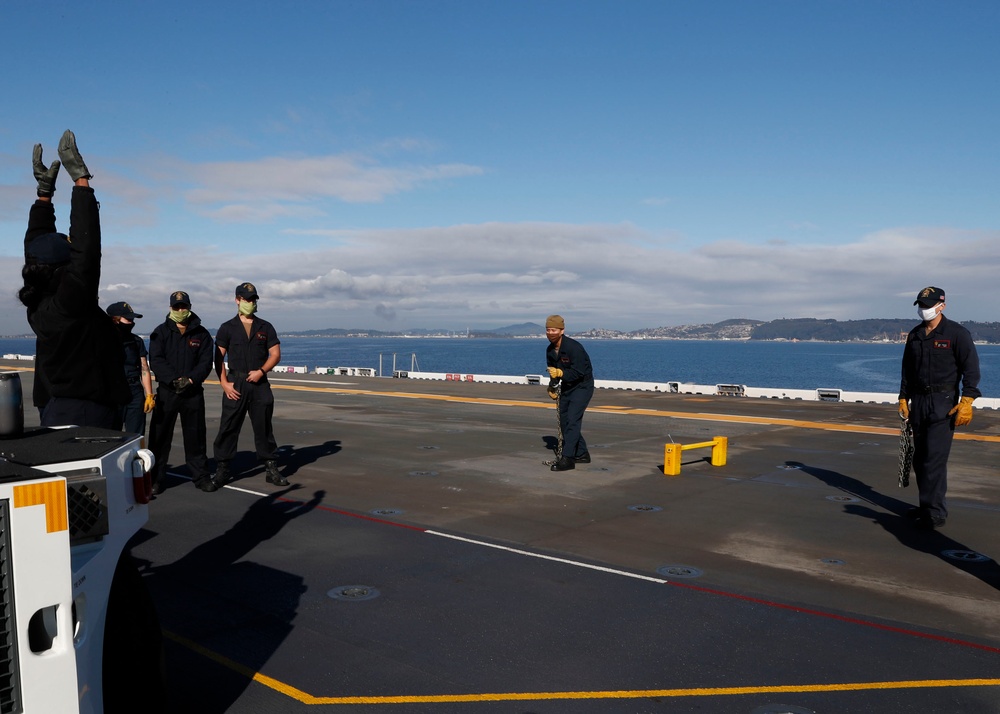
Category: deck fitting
[353,592]
[966,556]
[679,571]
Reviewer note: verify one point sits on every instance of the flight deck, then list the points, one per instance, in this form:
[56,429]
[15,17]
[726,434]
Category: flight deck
[425,559]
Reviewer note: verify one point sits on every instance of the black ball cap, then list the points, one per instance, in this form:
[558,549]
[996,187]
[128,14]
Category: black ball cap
[929,297]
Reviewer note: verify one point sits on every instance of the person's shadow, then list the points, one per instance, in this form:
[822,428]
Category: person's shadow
[244,609]
[292,459]
[892,518]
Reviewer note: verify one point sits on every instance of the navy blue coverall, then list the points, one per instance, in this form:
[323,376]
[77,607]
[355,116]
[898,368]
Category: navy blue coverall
[935,366]
[244,354]
[577,389]
[174,354]
[131,416]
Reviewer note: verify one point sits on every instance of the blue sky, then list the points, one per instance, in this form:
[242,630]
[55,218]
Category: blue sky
[476,164]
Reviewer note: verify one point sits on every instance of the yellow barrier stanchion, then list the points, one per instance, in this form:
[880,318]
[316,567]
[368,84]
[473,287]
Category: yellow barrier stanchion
[672,454]
[672,460]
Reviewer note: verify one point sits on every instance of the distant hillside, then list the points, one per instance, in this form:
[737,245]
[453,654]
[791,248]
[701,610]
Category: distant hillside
[737,329]
[808,328]
[877,330]
[525,329]
[804,329]
[339,332]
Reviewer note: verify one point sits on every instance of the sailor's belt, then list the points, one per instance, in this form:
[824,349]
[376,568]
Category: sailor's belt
[242,375]
[937,389]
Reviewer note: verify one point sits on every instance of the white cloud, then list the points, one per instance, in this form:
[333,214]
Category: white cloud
[278,186]
[264,212]
[489,275]
[495,274]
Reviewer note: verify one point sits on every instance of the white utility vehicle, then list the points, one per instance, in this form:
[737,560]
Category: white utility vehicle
[78,631]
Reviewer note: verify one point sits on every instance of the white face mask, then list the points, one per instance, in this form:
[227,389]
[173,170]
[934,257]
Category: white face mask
[927,314]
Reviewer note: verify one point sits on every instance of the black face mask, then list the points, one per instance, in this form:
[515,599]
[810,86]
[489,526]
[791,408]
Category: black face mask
[124,329]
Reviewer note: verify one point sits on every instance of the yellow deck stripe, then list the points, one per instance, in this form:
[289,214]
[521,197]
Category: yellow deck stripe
[609,409]
[645,693]
[306,698]
[731,418]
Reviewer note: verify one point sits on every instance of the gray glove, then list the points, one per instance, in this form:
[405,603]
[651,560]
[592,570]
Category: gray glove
[46,177]
[71,158]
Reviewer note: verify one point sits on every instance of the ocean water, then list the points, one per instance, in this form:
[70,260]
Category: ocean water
[791,365]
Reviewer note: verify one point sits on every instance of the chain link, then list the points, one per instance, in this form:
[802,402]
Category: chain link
[559,446]
[905,451]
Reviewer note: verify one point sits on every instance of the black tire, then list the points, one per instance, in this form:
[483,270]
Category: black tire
[134,668]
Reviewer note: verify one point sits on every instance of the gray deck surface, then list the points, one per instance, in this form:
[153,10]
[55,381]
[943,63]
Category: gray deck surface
[426,558]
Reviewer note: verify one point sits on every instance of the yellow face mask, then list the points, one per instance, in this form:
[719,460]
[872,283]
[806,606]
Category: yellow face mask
[247,308]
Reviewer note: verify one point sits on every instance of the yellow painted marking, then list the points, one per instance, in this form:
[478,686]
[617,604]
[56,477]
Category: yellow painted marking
[306,698]
[730,418]
[644,693]
[698,416]
[51,495]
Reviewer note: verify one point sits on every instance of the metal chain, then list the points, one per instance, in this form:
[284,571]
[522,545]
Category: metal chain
[905,451]
[559,446]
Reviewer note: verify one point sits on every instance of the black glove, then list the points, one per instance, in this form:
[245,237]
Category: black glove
[46,177]
[71,158]
[181,383]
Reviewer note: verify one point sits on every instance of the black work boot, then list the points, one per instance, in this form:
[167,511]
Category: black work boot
[273,475]
[206,484]
[564,464]
[221,476]
[929,522]
[585,459]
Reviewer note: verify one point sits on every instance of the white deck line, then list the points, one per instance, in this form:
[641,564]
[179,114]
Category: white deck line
[565,561]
